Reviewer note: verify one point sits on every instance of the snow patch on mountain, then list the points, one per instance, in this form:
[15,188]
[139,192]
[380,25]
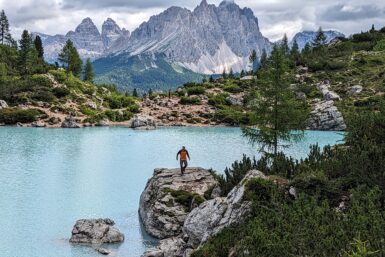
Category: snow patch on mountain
[223,59]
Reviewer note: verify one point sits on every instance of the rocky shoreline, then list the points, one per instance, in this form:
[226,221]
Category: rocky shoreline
[182,230]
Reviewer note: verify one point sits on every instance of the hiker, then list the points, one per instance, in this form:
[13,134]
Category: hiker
[183,158]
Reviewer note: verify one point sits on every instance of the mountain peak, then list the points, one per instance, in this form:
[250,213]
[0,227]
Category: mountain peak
[204,3]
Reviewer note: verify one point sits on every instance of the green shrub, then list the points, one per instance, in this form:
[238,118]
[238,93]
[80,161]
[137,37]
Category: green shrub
[189,100]
[185,198]
[259,190]
[12,116]
[59,75]
[218,99]
[232,115]
[116,101]
[118,116]
[43,95]
[41,80]
[196,90]
[61,92]
[231,88]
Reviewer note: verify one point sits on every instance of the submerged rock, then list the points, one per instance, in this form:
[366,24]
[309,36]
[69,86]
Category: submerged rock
[95,231]
[168,198]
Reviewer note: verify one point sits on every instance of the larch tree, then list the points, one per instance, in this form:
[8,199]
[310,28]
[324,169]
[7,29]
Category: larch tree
[253,60]
[278,116]
[88,71]
[39,46]
[320,39]
[285,45]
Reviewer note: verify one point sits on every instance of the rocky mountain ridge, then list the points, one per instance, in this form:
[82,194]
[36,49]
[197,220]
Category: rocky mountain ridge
[89,42]
[305,37]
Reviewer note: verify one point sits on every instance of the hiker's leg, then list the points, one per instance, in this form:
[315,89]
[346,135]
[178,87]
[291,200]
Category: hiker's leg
[181,166]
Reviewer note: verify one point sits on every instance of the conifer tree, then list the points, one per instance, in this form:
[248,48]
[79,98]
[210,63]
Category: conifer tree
[211,79]
[285,45]
[70,59]
[294,53]
[306,50]
[224,74]
[242,73]
[253,60]
[320,39]
[231,74]
[4,28]
[263,58]
[276,112]
[89,71]
[135,93]
[25,47]
[39,46]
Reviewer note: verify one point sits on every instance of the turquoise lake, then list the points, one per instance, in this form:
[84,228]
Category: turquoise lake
[49,178]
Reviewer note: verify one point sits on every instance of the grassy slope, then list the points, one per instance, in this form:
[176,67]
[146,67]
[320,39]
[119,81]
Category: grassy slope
[142,72]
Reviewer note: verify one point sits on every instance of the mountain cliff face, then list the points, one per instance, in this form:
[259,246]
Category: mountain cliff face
[207,40]
[88,40]
[305,37]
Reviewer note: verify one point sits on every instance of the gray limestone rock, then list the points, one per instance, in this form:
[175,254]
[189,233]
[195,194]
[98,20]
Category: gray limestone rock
[95,231]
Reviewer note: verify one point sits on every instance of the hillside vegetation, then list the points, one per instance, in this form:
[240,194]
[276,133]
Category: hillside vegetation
[332,202]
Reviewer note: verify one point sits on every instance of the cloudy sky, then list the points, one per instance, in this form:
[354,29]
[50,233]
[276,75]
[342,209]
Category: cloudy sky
[276,17]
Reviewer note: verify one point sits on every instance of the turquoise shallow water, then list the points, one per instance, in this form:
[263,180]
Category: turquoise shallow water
[49,178]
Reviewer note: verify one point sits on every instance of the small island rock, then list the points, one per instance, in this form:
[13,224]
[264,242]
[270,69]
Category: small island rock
[95,231]
[162,209]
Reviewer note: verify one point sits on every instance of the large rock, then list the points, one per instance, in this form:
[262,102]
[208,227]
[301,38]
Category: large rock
[3,104]
[70,122]
[355,90]
[95,231]
[161,213]
[324,88]
[142,121]
[235,100]
[326,116]
[208,219]
[214,215]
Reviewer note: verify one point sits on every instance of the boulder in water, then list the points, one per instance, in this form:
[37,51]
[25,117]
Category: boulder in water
[95,231]
[169,196]
[142,121]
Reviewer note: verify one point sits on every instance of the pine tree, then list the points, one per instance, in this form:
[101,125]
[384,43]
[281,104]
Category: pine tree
[70,59]
[4,28]
[65,55]
[224,74]
[39,46]
[320,39]
[253,60]
[242,73]
[285,45]
[211,79]
[373,29]
[306,51]
[263,58]
[76,62]
[88,71]
[231,74]
[294,53]
[25,47]
[276,112]
[135,93]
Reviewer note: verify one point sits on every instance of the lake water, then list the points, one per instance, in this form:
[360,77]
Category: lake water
[49,178]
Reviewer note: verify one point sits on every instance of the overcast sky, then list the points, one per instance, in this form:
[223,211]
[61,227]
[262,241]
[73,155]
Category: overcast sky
[276,17]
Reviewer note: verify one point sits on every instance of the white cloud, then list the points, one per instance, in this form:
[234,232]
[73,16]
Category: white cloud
[276,17]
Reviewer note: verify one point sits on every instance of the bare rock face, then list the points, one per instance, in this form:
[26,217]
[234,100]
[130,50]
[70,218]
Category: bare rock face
[205,221]
[3,104]
[163,205]
[142,121]
[326,116]
[95,231]
[214,215]
[70,122]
